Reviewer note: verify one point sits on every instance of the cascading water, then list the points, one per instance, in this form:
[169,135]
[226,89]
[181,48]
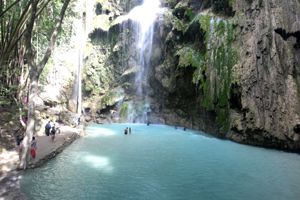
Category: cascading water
[81,29]
[143,17]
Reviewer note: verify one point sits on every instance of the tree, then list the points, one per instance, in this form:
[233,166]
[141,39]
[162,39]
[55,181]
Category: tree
[14,74]
[12,27]
[35,70]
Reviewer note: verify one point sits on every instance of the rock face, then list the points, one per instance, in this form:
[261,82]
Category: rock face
[268,74]
[232,71]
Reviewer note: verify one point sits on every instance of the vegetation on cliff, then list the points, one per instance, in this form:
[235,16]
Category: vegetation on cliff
[19,42]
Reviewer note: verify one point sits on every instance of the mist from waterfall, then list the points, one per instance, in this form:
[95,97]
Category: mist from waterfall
[144,17]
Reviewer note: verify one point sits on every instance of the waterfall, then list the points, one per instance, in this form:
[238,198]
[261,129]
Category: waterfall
[144,17]
[82,26]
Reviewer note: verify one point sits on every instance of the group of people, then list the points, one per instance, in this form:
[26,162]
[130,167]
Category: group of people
[51,130]
[126,131]
[20,147]
[184,128]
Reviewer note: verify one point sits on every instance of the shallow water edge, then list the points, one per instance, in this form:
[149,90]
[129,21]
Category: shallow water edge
[9,182]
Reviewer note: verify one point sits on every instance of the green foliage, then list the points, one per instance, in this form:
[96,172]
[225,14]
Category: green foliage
[215,71]
[4,94]
[220,27]
[46,23]
[124,112]
[101,22]
[179,26]
[189,14]
[12,28]
[130,111]
[9,89]
[111,98]
[45,73]
[88,89]
[188,57]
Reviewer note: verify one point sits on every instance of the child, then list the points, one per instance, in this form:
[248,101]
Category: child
[53,133]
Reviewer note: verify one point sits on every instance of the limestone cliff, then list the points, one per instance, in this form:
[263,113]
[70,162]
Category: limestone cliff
[268,82]
[230,69]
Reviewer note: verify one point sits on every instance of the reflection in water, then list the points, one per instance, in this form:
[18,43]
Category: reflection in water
[99,163]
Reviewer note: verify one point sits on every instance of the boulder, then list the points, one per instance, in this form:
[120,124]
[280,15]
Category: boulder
[69,118]
[72,106]
[109,99]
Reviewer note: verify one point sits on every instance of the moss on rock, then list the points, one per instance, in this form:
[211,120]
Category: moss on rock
[188,57]
[130,111]
[110,99]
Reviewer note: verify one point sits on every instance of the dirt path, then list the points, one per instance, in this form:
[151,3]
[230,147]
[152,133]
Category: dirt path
[45,146]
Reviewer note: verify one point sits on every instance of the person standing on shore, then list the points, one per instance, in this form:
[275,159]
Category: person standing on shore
[53,133]
[54,126]
[18,142]
[33,147]
[78,122]
[20,148]
[48,127]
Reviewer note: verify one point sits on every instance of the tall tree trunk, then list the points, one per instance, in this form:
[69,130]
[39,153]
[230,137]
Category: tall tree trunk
[34,78]
[35,71]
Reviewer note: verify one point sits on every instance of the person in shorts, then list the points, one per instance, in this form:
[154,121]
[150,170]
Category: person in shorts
[33,147]
[53,131]
[18,141]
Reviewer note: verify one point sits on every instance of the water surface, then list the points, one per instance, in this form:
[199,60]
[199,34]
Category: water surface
[160,162]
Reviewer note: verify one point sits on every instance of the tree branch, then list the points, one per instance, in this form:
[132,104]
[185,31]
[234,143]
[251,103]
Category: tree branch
[53,37]
[28,34]
[2,13]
